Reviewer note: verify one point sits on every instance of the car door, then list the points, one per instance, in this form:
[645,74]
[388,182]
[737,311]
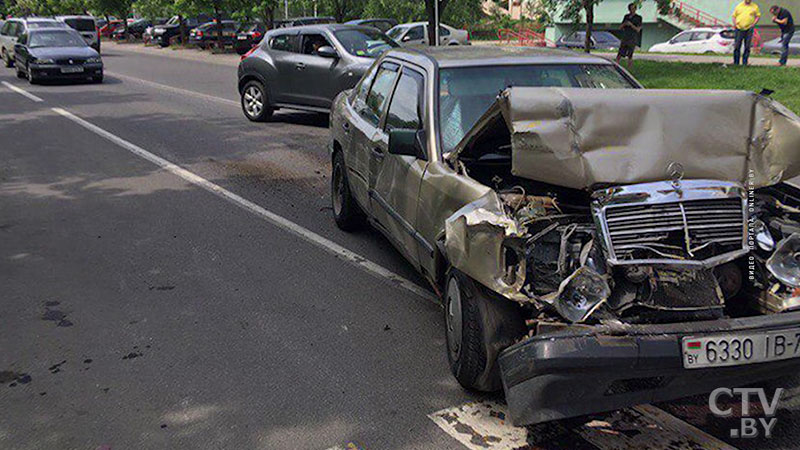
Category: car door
[352,134]
[366,120]
[701,42]
[283,50]
[313,81]
[20,51]
[445,37]
[395,179]
[680,43]
[415,36]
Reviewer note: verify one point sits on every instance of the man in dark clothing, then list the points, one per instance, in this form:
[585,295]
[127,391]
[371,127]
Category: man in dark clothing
[631,34]
[783,18]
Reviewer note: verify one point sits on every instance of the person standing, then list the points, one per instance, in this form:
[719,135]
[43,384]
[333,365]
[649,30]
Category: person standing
[745,17]
[785,21]
[631,34]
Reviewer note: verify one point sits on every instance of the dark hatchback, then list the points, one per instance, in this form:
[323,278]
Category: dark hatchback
[205,35]
[56,53]
[248,36]
[601,40]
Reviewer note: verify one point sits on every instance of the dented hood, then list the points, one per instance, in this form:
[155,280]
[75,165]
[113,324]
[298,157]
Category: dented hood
[579,138]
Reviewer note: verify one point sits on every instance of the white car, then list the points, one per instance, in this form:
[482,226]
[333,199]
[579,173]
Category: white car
[86,27]
[14,28]
[417,34]
[698,40]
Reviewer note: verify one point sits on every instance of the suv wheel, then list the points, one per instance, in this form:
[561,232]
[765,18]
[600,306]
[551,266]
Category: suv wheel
[20,73]
[478,327]
[254,102]
[346,212]
[7,59]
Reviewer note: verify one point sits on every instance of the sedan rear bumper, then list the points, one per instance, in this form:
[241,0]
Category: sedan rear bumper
[589,370]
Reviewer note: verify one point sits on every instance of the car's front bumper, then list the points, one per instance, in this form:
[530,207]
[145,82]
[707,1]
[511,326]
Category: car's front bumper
[588,370]
[53,71]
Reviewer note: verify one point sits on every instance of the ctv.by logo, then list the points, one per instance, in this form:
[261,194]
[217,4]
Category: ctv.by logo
[749,427]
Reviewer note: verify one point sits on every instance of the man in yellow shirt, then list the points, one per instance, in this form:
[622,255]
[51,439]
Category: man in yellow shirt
[745,18]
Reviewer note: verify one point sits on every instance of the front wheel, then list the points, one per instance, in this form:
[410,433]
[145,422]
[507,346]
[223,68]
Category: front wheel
[346,212]
[31,78]
[254,102]
[479,325]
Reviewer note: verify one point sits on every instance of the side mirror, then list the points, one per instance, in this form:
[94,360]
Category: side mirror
[407,142]
[326,51]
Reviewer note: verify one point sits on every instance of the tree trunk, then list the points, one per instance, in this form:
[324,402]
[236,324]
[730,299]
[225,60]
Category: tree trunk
[269,18]
[589,7]
[182,28]
[218,17]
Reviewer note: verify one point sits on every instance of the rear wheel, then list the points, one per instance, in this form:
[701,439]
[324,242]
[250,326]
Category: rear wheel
[255,104]
[346,212]
[479,325]
[7,59]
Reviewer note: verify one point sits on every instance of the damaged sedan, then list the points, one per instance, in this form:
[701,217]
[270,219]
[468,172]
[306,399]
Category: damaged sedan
[596,245]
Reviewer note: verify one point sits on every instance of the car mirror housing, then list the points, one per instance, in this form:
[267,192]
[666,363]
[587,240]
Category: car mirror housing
[407,142]
[326,51]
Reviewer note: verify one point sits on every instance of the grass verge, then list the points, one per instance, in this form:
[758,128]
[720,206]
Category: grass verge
[785,81]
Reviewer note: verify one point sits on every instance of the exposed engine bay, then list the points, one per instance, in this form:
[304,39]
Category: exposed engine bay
[662,250]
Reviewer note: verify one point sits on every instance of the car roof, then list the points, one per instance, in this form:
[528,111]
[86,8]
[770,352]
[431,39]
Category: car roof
[464,56]
[76,17]
[324,26]
[37,19]
[714,29]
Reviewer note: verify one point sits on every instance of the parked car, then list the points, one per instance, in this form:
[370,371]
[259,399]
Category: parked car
[109,28]
[15,27]
[300,21]
[205,35]
[773,47]
[164,33]
[135,30]
[698,40]
[582,268]
[56,53]
[147,36]
[417,34]
[601,40]
[249,35]
[86,27]
[305,67]
[382,24]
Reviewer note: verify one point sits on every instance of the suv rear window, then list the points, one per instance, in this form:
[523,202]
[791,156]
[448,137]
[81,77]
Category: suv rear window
[81,24]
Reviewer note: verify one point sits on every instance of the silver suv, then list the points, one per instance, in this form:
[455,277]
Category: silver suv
[86,26]
[14,28]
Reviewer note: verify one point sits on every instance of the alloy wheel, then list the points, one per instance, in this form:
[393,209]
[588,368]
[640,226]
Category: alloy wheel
[253,101]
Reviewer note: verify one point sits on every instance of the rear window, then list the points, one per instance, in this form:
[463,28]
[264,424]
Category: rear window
[81,24]
[727,34]
[44,24]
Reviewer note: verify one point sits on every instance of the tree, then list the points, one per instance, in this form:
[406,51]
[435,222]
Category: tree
[573,9]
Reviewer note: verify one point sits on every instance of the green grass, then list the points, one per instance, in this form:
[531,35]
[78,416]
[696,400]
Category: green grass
[785,81]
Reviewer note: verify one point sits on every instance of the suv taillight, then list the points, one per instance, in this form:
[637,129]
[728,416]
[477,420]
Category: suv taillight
[249,52]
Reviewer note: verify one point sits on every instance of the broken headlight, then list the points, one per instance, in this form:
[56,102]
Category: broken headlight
[784,264]
[581,294]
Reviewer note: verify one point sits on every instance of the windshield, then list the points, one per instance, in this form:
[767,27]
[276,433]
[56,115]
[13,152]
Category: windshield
[395,32]
[367,43]
[465,93]
[81,24]
[56,38]
[44,24]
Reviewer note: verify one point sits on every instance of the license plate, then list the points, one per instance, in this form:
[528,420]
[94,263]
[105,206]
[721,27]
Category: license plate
[740,348]
[72,69]
[241,38]
[227,34]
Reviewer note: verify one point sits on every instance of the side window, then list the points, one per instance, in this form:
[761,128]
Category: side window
[23,39]
[405,110]
[312,43]
[283,42]
[381,88]
[4,28]
[19,29]
[683,37]
[360,98]
[443,31]
[415,33]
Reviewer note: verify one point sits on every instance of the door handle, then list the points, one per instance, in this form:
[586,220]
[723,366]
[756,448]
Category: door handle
[300,66]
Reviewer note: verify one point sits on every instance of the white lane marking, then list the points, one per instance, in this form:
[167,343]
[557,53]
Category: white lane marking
[175,89]
[275,219]
[22,92]
[485,425]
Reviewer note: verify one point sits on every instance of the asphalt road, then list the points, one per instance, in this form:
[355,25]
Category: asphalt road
[150,305]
